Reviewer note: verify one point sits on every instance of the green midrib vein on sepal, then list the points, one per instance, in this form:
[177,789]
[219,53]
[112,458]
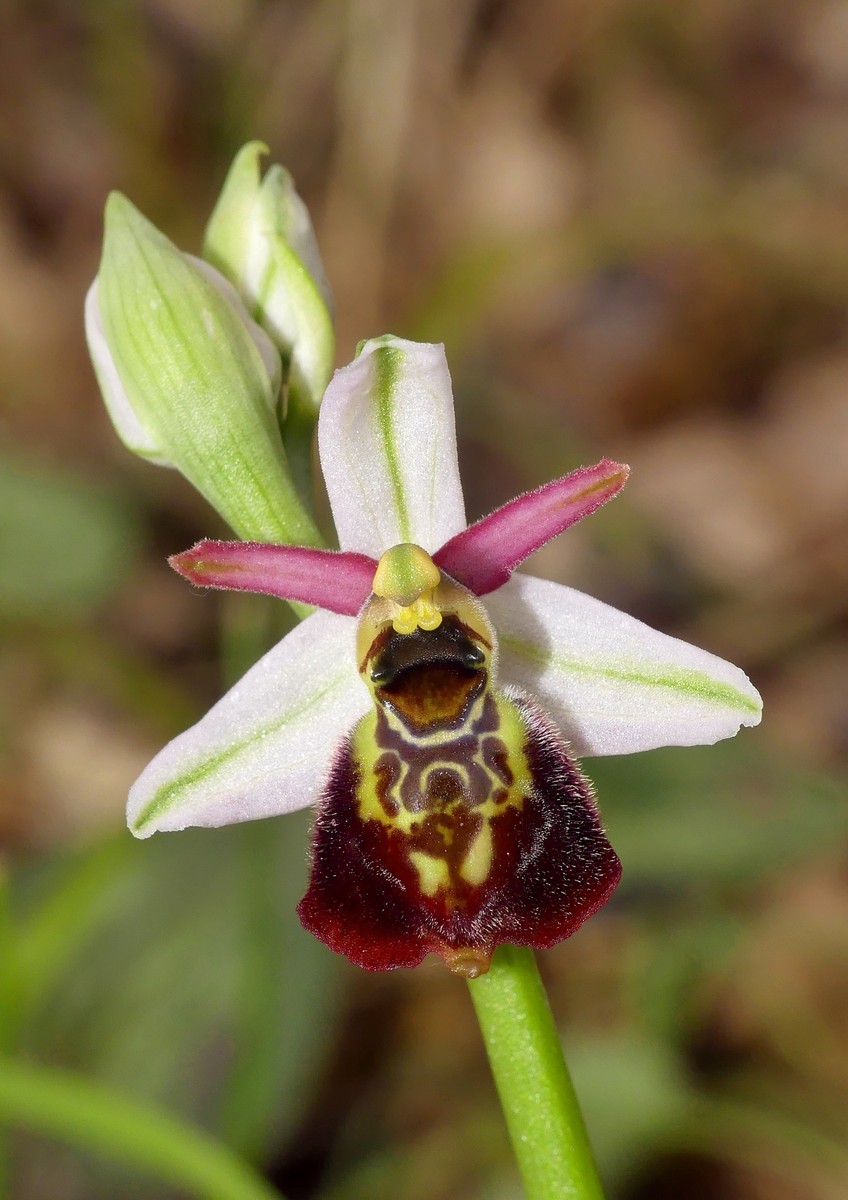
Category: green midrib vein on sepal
[164,797]
[686,680]
[387,364]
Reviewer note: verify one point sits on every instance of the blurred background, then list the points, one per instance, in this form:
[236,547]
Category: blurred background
[628,221]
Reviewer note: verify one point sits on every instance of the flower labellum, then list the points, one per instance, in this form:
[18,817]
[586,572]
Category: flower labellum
[436,732]
[189,379]
[453,813]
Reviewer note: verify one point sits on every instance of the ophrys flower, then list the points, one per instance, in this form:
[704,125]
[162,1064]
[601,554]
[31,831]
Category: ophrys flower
[452,815]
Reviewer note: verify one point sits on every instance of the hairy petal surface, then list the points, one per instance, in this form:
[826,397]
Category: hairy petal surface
[484,555]
[333,580]
[513,852]
[612,684]
[388,448]
[264,748]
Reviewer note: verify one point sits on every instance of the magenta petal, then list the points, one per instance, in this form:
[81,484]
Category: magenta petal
[339,582]
[485,554]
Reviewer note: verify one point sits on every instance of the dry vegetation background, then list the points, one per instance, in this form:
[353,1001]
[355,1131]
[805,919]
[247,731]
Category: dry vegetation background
[628,220]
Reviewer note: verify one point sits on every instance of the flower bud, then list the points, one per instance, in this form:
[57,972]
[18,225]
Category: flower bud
[260,236]
[189,379]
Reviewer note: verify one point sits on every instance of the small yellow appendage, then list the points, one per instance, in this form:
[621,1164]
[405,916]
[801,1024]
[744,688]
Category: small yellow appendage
[407,576]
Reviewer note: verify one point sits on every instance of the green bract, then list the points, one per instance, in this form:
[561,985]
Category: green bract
[189,379]
[260,236]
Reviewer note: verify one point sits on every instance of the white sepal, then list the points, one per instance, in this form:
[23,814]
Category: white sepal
[388,448]
[128,427]
[266,746]
[290,218]
[611,683]
[268,351]
[124,417]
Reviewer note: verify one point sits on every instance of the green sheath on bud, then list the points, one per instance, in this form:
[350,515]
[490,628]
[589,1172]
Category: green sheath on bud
[260,236]
[189,379]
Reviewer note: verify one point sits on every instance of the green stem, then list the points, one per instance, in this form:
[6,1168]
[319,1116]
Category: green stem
[537,1096]
[95,1118]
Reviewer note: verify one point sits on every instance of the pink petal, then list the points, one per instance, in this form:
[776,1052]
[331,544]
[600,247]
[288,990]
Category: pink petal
[484,555]
[339,582]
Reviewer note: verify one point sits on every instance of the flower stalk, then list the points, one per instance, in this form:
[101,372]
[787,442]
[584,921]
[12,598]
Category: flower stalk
[539,1103]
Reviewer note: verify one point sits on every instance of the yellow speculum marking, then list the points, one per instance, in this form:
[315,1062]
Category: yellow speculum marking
[367,753]
[432,872]
[478,861]
[407,576]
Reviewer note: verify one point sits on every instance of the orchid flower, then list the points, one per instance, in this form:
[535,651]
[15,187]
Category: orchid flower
[436,732]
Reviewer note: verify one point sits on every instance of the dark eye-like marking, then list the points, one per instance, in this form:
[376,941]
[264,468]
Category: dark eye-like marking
[473,656]
[384,672]
[450,644]
[429,677]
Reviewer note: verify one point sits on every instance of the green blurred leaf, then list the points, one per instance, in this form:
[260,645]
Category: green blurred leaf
[639,1105]
[97,660]
[64,543]
[760,1135]
[57,921]
[150,993]
[679,958]
[282,1008]
[87,1115]
[691,817]
[634,1096]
